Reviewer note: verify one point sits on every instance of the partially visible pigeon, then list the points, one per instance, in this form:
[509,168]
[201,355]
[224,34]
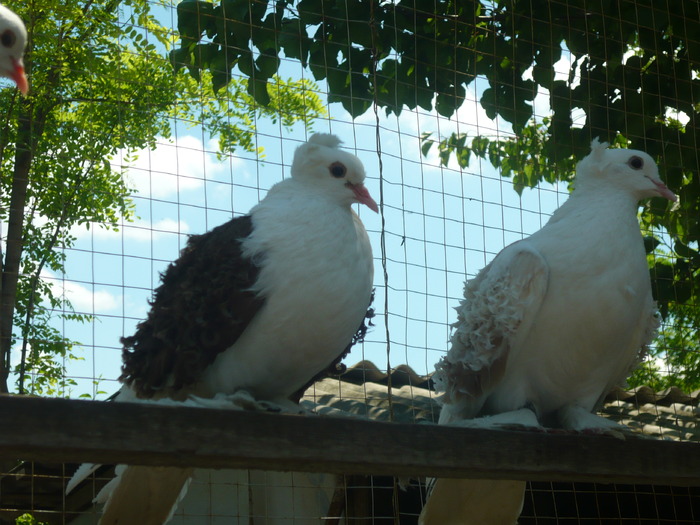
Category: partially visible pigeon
[254,309]
[13,40]
[550,326]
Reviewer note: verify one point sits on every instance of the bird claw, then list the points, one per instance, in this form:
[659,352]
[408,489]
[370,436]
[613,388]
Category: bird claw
[244,400]
[523,419]
[578,419]
[612,432]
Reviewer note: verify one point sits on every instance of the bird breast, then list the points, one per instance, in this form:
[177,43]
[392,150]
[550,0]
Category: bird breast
[592,321]
[316,276]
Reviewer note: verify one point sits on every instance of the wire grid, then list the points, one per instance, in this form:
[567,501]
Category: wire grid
[608,504]
[438,225]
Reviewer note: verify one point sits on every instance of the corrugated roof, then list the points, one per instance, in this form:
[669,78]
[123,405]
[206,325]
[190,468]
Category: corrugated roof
[364,391]
[669,414]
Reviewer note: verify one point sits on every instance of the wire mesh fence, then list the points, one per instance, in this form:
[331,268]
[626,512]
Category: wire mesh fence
[191,159]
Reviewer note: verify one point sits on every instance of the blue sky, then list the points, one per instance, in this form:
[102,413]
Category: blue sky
[443,224]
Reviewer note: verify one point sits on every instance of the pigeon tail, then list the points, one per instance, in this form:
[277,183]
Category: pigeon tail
[143,495]
[473,502]
[80,475]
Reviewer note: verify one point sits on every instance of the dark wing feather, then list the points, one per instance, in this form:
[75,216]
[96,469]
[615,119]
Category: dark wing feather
[201,308]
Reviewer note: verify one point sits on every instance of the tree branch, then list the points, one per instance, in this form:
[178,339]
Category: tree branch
[48,248]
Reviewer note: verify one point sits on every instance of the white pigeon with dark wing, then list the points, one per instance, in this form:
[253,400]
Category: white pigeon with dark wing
[550,326]
[13,41]
[262,305]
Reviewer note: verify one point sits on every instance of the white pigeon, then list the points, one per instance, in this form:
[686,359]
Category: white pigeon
[13,40]
[550,326]
[261,305]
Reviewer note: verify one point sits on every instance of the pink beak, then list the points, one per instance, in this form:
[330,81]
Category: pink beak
[17,74]
[363,197]
[664,191]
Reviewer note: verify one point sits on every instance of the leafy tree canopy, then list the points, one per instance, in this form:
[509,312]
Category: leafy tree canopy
[100,83]
[633,80]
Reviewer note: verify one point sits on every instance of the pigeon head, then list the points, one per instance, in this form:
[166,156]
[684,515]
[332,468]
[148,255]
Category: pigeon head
[333,170]
[13,40]
[625,169]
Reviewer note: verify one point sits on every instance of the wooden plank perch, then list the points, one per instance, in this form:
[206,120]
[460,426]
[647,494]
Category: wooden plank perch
[59,430]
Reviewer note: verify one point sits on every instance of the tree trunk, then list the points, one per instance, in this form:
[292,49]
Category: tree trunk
[29,130]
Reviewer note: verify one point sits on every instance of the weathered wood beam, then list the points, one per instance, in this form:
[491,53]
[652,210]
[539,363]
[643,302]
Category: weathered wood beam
[59,430]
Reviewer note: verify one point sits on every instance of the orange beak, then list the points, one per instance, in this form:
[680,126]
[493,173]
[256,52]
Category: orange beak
[17,74]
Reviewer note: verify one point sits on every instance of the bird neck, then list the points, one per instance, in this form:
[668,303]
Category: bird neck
[592,205]
[608,198]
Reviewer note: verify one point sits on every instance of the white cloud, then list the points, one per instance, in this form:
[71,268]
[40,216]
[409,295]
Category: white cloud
[172,167]
[142,231]
[81,297]
[138,230]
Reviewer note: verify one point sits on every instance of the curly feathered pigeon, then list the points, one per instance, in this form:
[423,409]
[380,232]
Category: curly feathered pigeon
[263,304]
[551,325]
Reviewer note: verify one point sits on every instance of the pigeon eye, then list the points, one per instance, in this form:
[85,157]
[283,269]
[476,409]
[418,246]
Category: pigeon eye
[636,163]
[338,170]
[8,38]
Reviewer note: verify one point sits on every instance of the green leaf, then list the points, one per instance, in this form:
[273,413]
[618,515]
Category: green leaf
[446,104]
[650,243]
[426,143]
[180,57]
[489,103]
[258,90]
[193,17]
[686,251]
[266,64]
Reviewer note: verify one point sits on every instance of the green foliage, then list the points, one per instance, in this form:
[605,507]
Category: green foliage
[632,65]
[28,519]
[675,360]
[401,52]
[519,158]
[290,101]
[100,84]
